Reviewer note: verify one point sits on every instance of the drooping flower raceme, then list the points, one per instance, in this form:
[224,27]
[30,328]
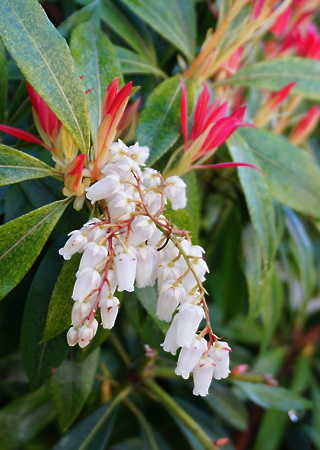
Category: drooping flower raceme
[133,244]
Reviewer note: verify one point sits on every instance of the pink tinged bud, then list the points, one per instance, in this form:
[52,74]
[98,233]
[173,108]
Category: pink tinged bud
[79,312]
[281,23]
[279,97]
[126,267]
[104,188]
[170,297]
[129,120]
[170,341]
[148,259]
[257,7]
[109,307]
[189,318]
[24,135]
[175,190]
[87,281]
[74,244]
[219,353]
[202,376]
[73,175]
[306,126]
[93,255]
[190,356]
[72,336]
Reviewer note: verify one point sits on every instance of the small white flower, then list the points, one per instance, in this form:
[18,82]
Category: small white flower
[141,230]
[171,295]
[117,151]
[87,280]
[109,307]
[202,376]
[150,178]
[189,318]
[124,168]
[74,244]
[190,356]
[79,312]
[93,255]
[138,153]
[219,352]
[175,190]
[72,336]
[126,267]
[120,206]
[86,333]
[153,200]
[147,258]
[170,342]
[104,188]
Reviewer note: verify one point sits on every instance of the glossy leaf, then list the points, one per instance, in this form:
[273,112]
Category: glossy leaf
[159,123]
[22,239]
[274,74]
[148,298]
[97,60]
[3,81]
[17,166]
[84,14]
[61,303]
[29,36]
[22,419]
[258,197]
[292,176]
[71,385]
[175,21]
[131,62]
[136,38]
[40,359]
[272,396]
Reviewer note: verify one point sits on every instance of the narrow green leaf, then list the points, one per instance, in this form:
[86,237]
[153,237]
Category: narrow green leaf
[21,241]
[272,396]
[148,297]
[159,123]
[293,178]
[272,305]
[138,39]
[17,166]
[3,81]
[82,15]
[273,74]
[257,196]
[61,303]
[22,419]
[271,430]
[193,203]
[95,58]
[40,359]
[131,62]
[71,385]
[173,19]
[29,36]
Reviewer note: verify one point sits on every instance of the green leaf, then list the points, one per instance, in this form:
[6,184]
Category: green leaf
[148,297]
[82,15]
[272,396]
[40,359]
[274,74]
[21,241]
[3,81]
[95,58]
[131,62]
[29,36]
[271,430]
[159,123]
[193,204]
[138,39]
[22,419]
[172,19]
[292,176]
[257,196]
[61,303]
[17,166]
[71,385]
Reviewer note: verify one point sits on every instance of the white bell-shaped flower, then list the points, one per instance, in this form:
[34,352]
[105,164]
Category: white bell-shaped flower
[117,151]
[109,307]
[79,312]
[155,237]
[87,280]
[171,294]
[153,200]
[125,168]
[202,376]
[120,206]
[86,332]
[190,356]
[200,267]
[141,230]
[171,270]
[72,336]
[126,267]
[170,342]
[169,253]
[138,153]
[104,188]
[93,255]
[150,178]
[175,190]
[219,352]
[189,318]
[148,259]
[74,244]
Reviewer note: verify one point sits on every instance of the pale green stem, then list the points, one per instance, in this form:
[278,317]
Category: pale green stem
[118,346]
[144,423]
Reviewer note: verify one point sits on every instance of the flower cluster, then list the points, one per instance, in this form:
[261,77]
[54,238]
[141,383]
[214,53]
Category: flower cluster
[133,243]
